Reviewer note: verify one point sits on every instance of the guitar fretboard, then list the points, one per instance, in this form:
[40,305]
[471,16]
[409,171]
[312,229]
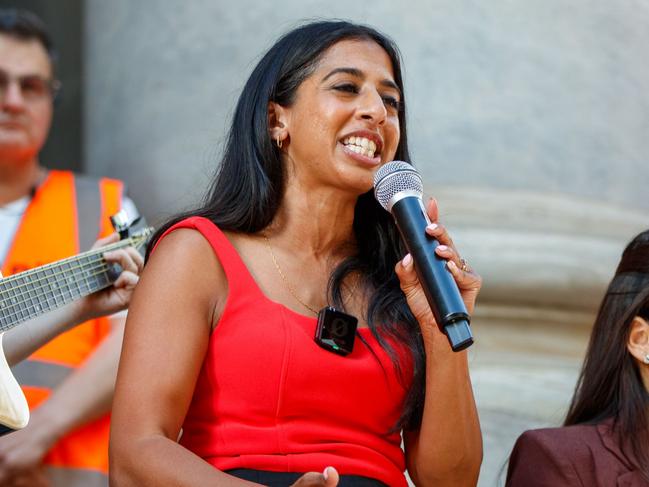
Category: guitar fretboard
[31,293]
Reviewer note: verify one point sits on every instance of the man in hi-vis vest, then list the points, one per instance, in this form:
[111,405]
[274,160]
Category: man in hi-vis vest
[46,216]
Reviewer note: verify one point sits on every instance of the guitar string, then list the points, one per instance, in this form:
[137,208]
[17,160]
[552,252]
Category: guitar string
[56,277]
[60,281]
[36,292]
[84,264]
[90,253]
[58,265]
[64,287]
[136,241]
[74,286]
[26,313]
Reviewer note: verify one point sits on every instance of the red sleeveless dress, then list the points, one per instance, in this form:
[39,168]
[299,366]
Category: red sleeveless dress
[269,398]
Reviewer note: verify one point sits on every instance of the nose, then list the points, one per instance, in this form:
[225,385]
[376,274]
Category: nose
[372,107]
[12,96]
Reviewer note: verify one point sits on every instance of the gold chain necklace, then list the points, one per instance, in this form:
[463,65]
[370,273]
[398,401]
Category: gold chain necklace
[336,330]
[286,283]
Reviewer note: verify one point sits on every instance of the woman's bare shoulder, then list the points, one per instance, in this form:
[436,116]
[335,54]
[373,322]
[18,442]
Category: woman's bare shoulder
[184,260]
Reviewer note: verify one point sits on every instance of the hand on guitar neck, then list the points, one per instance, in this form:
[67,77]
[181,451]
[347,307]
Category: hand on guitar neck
[39,304]
[19,342]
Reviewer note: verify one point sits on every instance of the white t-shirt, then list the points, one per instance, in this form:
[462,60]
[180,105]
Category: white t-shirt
[11,213]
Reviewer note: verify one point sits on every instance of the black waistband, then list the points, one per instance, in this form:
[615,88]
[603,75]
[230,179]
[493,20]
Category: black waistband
[285,479]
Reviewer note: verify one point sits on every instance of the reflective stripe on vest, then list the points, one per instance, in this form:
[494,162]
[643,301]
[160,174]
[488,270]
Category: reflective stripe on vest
[40,374]
[76,478]
[65,211]
[88,211]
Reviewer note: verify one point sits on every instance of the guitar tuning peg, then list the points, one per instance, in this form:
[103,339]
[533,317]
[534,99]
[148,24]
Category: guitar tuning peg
[120,223]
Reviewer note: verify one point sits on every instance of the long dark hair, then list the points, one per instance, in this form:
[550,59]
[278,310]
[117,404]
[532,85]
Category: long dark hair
[249,186]
[610,385]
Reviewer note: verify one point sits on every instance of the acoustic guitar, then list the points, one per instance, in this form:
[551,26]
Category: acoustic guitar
[29,294]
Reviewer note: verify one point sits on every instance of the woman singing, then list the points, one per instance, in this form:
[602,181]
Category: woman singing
[221,381]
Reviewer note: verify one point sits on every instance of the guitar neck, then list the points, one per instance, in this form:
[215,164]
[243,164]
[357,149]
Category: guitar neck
[31,293]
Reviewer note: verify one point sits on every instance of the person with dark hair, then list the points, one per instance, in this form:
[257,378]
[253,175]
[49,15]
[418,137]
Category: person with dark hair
[45,216]
[605,438]
[221,381]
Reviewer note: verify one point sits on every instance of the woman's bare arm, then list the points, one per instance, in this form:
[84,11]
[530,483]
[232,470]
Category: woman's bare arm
[180,294]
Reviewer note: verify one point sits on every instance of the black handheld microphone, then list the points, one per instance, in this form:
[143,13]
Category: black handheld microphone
[398,188]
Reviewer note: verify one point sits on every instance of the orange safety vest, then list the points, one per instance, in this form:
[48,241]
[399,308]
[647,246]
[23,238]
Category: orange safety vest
[51,228]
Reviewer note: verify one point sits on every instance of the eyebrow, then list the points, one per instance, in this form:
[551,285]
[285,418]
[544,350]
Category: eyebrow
[388,83]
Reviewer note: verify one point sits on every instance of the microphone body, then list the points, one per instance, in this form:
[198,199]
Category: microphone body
[406,206]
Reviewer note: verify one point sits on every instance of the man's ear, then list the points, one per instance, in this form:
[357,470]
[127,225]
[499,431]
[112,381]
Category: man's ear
[638,343]
[278,122]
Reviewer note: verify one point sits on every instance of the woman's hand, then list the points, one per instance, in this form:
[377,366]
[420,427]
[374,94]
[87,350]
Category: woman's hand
[467,280]
[328,478]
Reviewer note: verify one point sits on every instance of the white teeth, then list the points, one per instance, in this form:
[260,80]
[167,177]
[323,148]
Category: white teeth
[360,145]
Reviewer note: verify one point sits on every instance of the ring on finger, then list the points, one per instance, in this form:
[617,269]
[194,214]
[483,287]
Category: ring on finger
[464,265]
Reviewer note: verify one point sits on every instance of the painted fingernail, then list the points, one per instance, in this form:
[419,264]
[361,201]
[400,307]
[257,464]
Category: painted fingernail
[443,248]
[406,260]
[451,265]
[432,227]
[325,473]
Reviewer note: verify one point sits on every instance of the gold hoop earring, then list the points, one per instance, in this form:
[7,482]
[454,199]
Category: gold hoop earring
[279,142]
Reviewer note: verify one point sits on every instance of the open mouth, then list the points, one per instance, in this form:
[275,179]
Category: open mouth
[362,146]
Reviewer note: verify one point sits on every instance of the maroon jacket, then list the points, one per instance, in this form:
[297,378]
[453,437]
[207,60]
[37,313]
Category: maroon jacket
[580,455]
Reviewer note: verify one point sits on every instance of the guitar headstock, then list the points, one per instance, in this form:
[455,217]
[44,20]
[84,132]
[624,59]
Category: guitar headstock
[136,231]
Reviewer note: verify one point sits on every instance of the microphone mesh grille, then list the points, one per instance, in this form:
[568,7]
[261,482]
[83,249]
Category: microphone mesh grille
[394,178]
